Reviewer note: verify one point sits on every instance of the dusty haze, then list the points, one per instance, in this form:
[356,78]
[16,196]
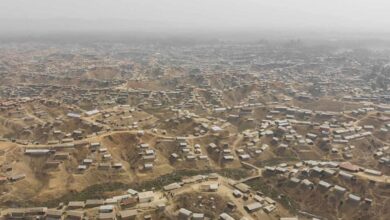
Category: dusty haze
[181,16]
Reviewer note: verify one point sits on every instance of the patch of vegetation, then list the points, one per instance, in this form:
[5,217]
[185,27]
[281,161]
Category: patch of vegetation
[275,161]
[92,192]
[161,181]
[210,207]
[269,190]
[97,191]
[236,174]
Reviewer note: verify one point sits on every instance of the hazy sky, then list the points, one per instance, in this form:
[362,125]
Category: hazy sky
[373,15]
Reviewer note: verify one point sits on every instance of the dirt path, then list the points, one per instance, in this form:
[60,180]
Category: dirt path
[380,179]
